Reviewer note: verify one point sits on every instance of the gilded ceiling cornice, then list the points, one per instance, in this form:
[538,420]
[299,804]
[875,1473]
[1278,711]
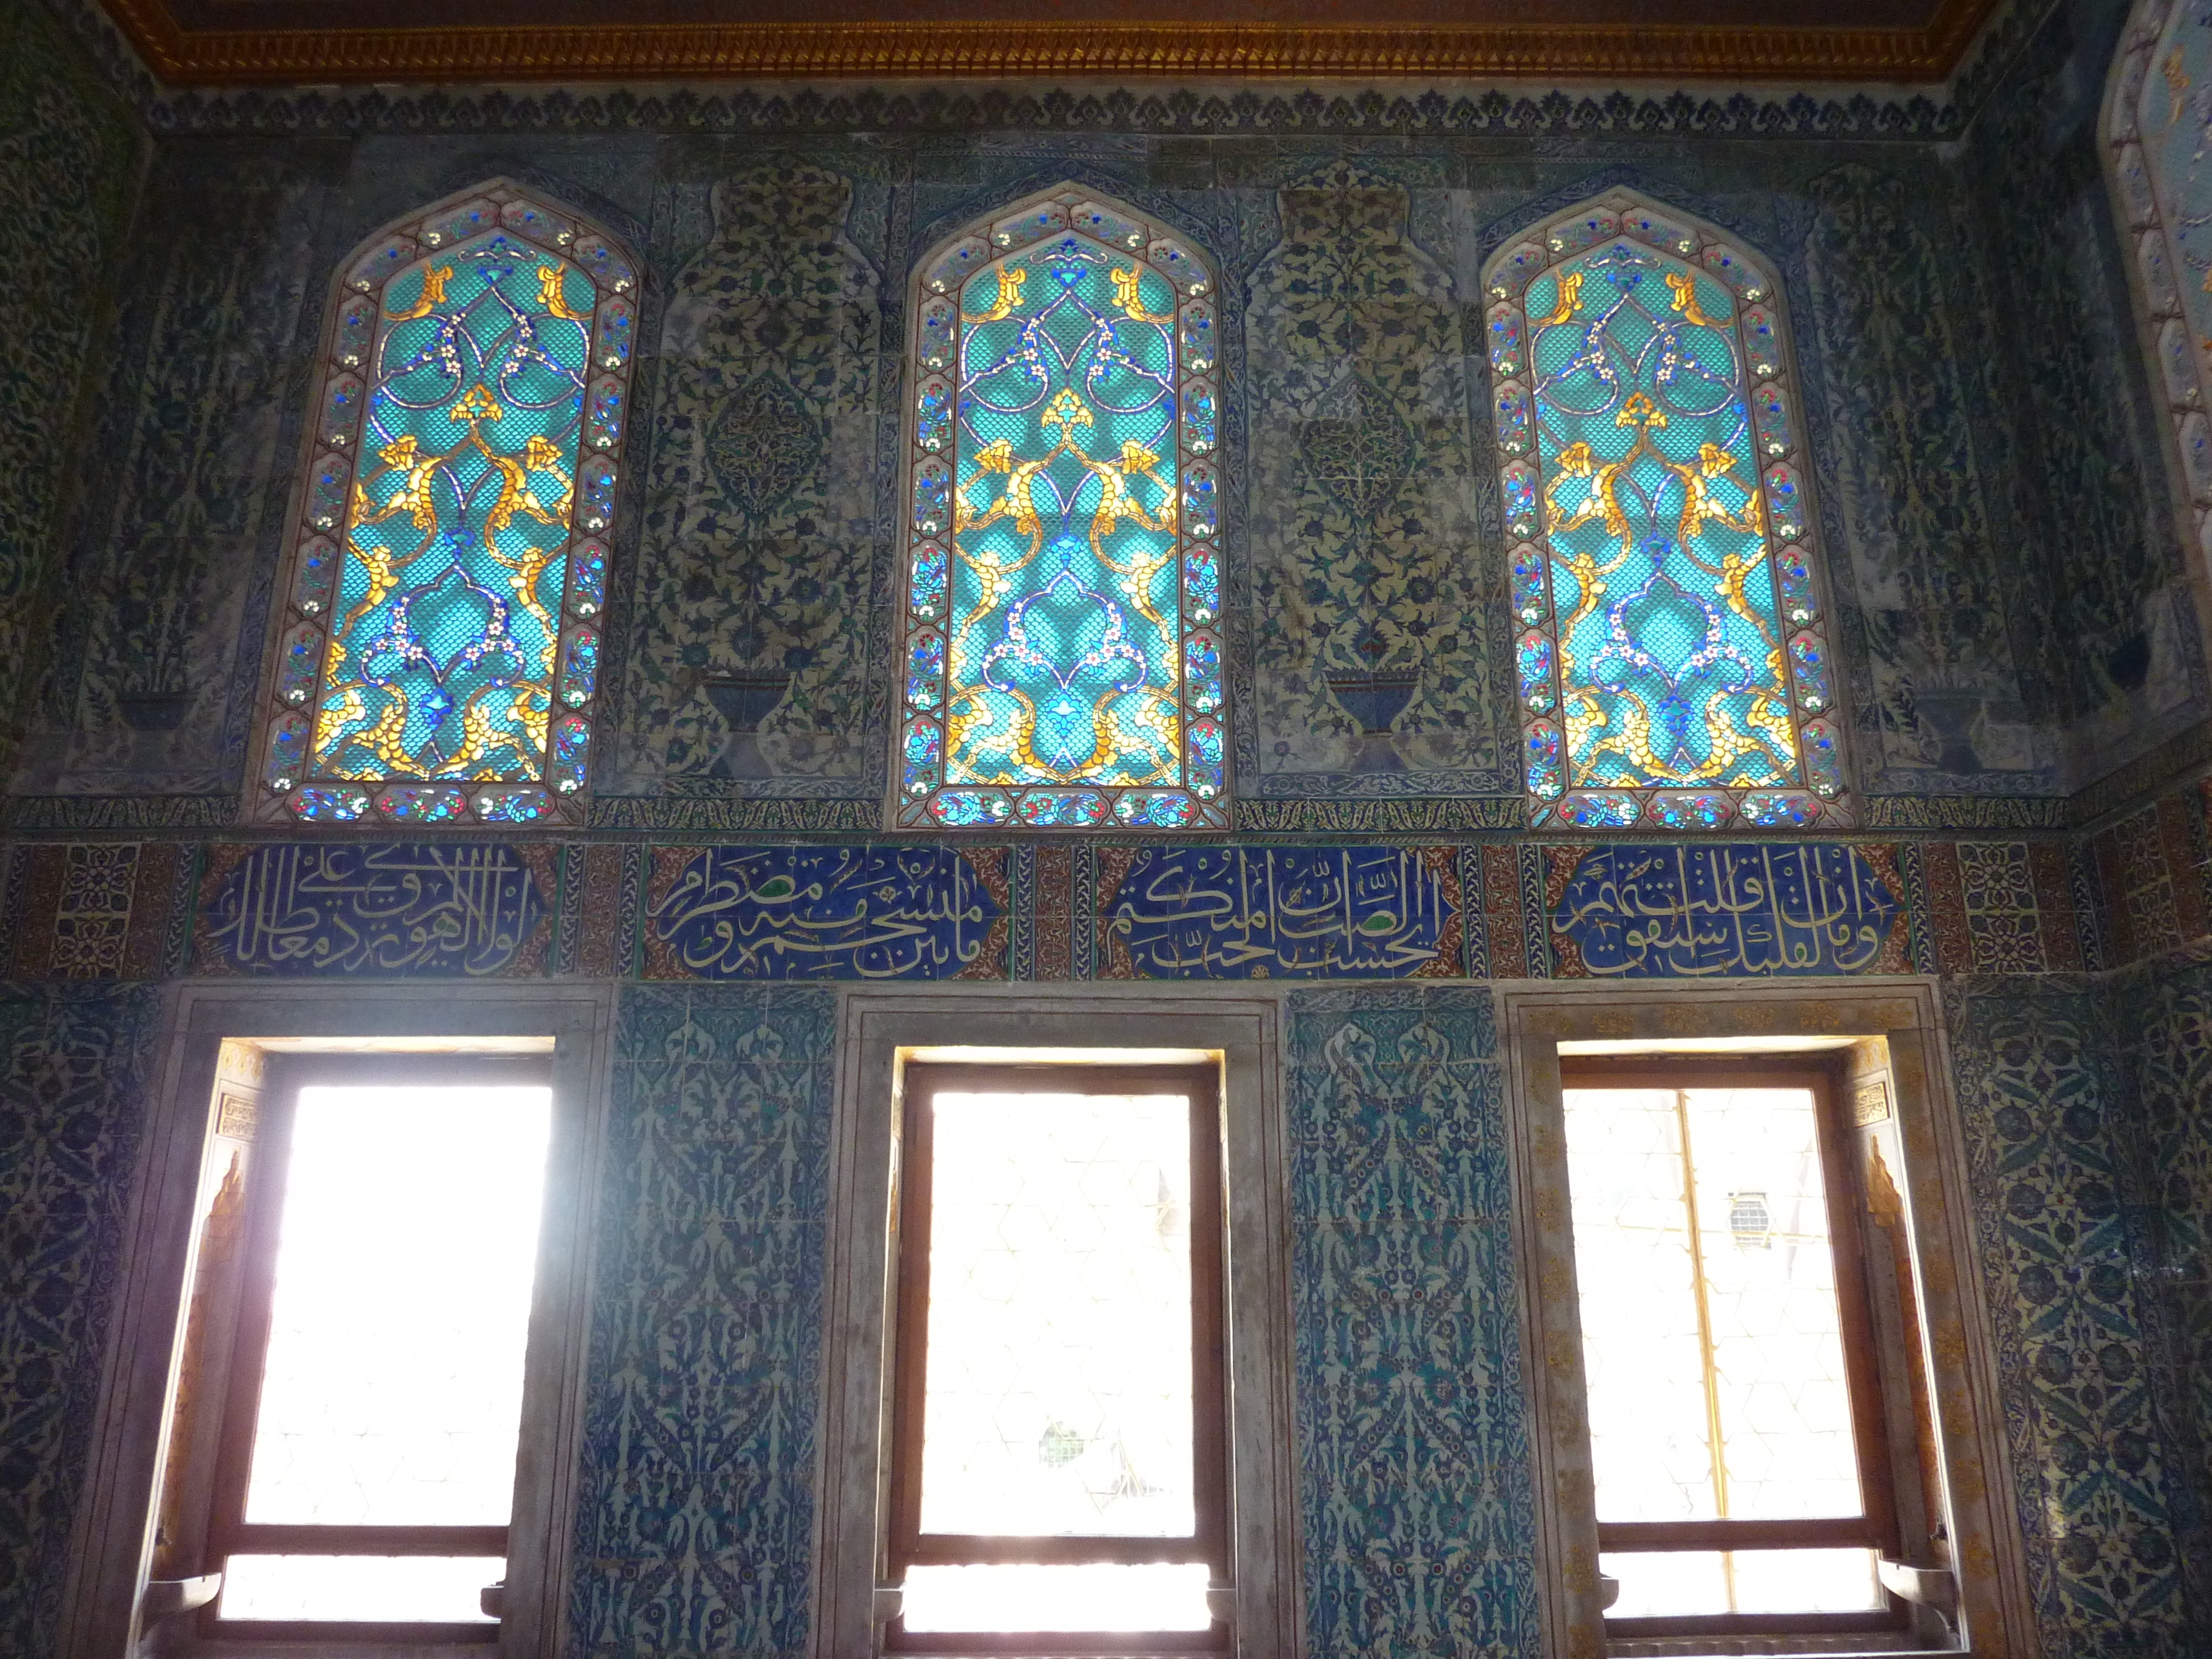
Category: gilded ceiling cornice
[1000,50]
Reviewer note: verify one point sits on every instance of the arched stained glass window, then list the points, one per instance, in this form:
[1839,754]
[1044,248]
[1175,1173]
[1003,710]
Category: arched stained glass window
[1674,668]
[1062,664]
[438,660]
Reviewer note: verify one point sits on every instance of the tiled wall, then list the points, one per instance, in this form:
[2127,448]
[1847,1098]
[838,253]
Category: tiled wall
[2154,868]
[2086,1100]
[1413,1446]
[2044,1102]
[70,154]
[2005,581]
[2013,625]
[707,1311]
[695,1524]
[2165,1021]
[73,1066]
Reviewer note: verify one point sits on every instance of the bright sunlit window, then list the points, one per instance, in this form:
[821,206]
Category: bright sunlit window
[1059,1465]
[1737,1445]
[375,1384]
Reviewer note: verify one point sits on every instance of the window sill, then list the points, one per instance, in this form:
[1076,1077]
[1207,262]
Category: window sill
[227,1648]
[1858,1644]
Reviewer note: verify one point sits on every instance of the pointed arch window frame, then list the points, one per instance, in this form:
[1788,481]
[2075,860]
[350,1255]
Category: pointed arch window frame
[285,785]
[922,794]
[1757,332]
[2178,357]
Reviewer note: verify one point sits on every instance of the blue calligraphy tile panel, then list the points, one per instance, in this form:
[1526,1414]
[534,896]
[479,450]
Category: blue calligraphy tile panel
[1416,1490]
[856,913]
[72,1064]
[1280,913]
[1689,911]
[472,908]
[694,1522]
[2042,1103]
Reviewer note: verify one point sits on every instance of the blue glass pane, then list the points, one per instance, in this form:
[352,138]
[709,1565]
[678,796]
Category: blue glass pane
[446,620]
[1670,649]
[1061,529]
[1065,573]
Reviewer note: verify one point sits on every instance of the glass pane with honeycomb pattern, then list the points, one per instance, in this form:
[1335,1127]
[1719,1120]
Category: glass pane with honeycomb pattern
[441,658]
[1064,661]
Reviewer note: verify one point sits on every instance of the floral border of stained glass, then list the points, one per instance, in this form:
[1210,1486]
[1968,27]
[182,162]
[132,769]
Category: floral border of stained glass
[286,787]
[921,798]
[1818,797]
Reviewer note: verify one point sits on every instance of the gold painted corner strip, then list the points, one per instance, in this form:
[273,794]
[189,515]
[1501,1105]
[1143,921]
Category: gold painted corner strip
[999,50]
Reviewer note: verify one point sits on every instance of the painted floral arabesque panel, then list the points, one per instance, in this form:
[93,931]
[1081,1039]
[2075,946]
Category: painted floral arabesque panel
[1063,663]
[1673,663]
[439,657]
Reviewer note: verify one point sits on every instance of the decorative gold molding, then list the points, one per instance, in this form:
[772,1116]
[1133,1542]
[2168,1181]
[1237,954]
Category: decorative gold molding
[1001,50]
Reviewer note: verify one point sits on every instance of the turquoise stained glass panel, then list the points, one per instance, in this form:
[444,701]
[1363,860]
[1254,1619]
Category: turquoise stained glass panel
[1064,591]
[444,633]
[1673,672]
[1061,668]
[1668,636]
[440,665]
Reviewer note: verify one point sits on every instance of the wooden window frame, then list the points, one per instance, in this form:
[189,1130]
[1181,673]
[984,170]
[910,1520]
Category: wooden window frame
[228,1533]
[1876,1526]
[1208,1543]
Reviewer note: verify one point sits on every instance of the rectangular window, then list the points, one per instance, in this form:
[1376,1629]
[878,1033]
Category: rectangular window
[1736,1433]
[372,1393]
[1060,1463]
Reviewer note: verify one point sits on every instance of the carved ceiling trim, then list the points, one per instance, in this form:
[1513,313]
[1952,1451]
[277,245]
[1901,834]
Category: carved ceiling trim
[1001,50]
